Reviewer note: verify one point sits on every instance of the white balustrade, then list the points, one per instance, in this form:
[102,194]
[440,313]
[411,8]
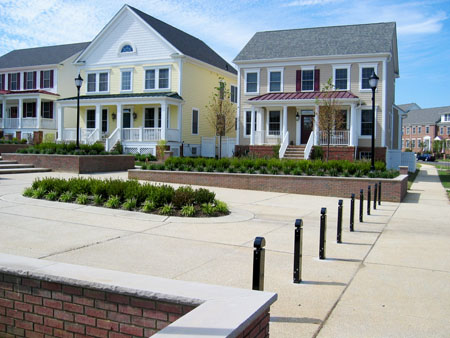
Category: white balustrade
[112,139]
[309,146]
[131,134]
[93,137]
[48,123]
[337,137]
[151,134]
[69,134]
[11,123]
[284,145]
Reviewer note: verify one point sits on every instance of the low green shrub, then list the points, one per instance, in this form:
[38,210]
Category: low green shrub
[221,207]
[130,204]
[82,199]
[66,197]
[66,149]
[188,210]
[28,192]
[208,209]
[97,199]
[113,202]
[39,192]
[166,209]
[148,206]
[51,196]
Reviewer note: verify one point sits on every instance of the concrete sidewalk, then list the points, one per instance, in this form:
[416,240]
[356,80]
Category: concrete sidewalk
[388,278]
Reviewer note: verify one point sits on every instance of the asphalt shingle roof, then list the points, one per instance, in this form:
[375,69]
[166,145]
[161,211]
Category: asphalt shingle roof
[172,95]
[424,116]
[409,106]
[186,43]
[320,41]
[49,55]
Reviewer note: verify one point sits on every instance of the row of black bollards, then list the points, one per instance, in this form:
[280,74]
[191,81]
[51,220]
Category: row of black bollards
[260,242]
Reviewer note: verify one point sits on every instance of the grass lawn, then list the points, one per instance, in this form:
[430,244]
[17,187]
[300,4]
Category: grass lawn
[444,175]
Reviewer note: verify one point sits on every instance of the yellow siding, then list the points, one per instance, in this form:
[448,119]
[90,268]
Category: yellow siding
[198,85]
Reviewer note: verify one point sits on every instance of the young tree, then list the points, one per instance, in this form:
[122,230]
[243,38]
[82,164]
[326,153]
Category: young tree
[221,111]
[330,116]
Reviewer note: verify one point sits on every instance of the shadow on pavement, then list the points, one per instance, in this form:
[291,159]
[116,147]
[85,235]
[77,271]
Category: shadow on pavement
[301,320]
[311,282]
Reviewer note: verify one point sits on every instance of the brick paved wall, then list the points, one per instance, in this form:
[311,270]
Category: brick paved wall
[255,151]
[74,163]
[259,328]
[11,148]
[393,190]
[339,153]
[31,307]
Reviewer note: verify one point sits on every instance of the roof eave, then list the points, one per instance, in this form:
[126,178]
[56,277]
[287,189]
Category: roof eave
[295,101]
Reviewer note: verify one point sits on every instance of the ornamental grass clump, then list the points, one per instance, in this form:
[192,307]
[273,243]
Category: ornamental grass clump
[166,209]
[82,199]
[188,210]
[113,202]
[52,196]
[130,204]
[148,206]
[66,197]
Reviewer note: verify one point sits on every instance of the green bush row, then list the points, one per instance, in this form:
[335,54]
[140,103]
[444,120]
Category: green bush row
[67,149]
[13,141]
[130,195]
[275,167]
[144,158]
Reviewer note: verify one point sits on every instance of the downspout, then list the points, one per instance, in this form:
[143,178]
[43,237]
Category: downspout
[238,109]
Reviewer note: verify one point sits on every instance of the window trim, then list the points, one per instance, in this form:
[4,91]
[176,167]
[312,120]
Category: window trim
[248,71]
[250,121]
[123,44]
[233,92]
[360,123]
[275,70]
[33,111]
[17,82]
[157,69]
[124,70]
[156,111]
[49,109]
[97,81]
[107,120]
[274,109]
[198,121]
[342,66]
[308,68]
[86,115]
[49,79]
[33,80]
[368,65]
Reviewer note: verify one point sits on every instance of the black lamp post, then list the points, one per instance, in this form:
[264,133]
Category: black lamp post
[373,81]
[78,83]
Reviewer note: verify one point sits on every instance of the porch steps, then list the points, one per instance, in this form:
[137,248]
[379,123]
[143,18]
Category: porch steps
[295,153]
[12,167]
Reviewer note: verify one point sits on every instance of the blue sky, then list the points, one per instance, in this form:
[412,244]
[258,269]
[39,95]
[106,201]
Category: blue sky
[423,29]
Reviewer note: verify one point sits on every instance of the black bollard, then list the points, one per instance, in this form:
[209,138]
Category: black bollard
[339,222]
[258,263]
[352,212]
[298,247]
[368,199]
[361,205]
[375,195]
[323,233]
[379,193]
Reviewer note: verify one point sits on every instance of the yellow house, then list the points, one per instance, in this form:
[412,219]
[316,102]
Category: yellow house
[146,81]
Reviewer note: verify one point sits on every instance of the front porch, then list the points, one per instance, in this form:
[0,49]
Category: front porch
[138,123]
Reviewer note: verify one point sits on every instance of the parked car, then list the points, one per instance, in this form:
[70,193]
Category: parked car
[426,157]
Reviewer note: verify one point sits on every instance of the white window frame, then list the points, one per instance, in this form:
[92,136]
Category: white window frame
[123,44]
[198,121]
[413,131]
[18,76]
[157,69]
[49,78]
[126,70]
[249,121]
[441,130]
[25,85]
[86,117]
[360,122]
[49,109]
[97,81]
[275,70]
[233,92]
[107,120]
[407,144]
[249,71]
[274,109]
[155,116]
[419,130]
[367,65]
[413,143]
[343,66]
[427,129]
[313,68]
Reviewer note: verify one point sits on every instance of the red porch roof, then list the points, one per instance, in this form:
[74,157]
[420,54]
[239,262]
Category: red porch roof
[31,91]
[303,96]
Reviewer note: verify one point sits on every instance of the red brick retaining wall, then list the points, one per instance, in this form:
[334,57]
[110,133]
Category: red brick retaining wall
[255,151]
[31,307]
[75,163]
[380,153]
[11,148]
[393,190]
[339,153]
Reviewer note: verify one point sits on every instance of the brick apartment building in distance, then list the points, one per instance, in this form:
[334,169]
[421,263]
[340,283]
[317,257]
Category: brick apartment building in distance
[423,126]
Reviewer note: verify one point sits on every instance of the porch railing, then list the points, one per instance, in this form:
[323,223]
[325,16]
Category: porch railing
[92,137]
[11,123]
[309,146]
[29,122]
[112,139]
[131,134]
[48,123]
[69,134]
[284,144]
[337,137]
[151,134]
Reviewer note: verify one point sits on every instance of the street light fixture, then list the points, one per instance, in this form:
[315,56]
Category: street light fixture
[373,82]
[78,83]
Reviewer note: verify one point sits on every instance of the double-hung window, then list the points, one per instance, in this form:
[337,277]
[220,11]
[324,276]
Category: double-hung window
[14,82]
[29,109]
[195,121]
[46,81]
[126,80]
[252,82]
[233,94]
[341,76]
[30,80]
[248,122]
[441,130]
[90,118]
[91,82]
[98,82]
[2,81]
[419,130]
[275,80]
[157,78]
[427,130]
[274,122]
[47,111]
[413,130]
[413,143]
[365,71]
[366,122]
[151,120]
[103,82]
[407,131]
[307,79]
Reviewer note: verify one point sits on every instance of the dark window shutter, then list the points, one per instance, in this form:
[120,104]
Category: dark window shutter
[3,82]
[24,108]
[34,109]
[316,80]
[42,79]
[18,81]
[34,80]
[25,81]
[9,81]
[298,81]
[42,109]
[51,109]
[51,78]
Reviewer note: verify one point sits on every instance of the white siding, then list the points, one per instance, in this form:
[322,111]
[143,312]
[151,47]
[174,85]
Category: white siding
[128,28]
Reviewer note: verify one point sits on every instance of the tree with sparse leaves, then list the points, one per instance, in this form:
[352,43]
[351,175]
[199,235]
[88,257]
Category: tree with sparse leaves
[221,112]
[330,116]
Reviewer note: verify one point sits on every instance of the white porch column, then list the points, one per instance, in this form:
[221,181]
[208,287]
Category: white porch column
[60,118]
[252,127]
[259,119]
[119,116]
[163,120]
[316,125]
[20,112]
[3,113]
[285,110]
[179,122]
[38,112]
[353,128]
[98,116]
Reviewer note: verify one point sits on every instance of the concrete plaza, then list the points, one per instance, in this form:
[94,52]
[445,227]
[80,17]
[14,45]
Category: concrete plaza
[389,278]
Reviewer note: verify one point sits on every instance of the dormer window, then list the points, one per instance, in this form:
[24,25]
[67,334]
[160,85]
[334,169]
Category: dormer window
[127,49]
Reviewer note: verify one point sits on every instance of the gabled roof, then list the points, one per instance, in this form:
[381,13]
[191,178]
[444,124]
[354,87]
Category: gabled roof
[426,116]
[409,106]
[50,55]
[371,38]
[185,43]
[304,96]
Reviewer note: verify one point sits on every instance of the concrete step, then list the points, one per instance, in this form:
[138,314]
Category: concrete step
[23,170]
[7,162]
[15,165]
